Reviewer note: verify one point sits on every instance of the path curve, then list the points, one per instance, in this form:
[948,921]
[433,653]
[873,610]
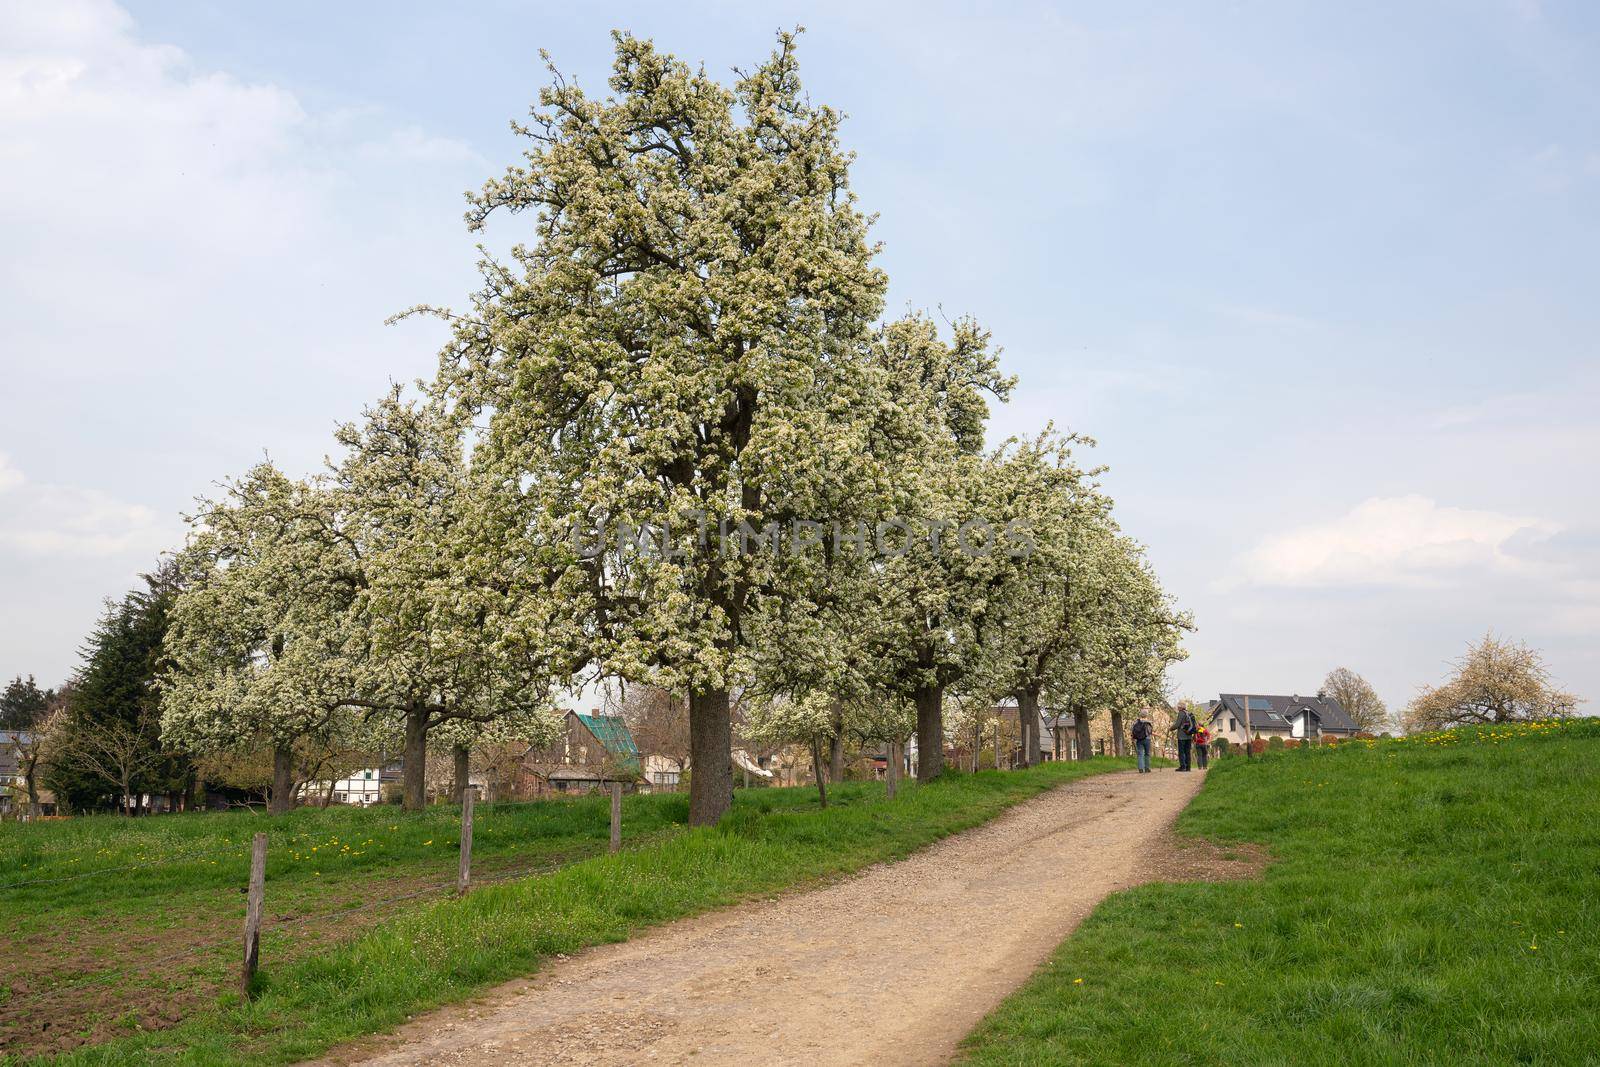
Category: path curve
[845,974]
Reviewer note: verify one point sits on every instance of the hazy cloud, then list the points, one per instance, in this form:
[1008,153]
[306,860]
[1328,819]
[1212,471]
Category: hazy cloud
[70,521]
[1392,541]
[195,266]
[10,477]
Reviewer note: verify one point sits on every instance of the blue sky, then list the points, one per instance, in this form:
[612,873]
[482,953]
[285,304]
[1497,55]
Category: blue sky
[1320,278]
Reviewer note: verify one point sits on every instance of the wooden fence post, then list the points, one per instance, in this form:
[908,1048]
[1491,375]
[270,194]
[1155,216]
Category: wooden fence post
[254,903]
[464,874]
[616,816]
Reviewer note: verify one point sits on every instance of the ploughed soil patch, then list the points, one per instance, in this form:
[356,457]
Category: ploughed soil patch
[1173,857]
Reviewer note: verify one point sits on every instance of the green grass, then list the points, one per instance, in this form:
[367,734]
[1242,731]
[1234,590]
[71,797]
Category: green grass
[114,924]
[774,839]
[1431,900]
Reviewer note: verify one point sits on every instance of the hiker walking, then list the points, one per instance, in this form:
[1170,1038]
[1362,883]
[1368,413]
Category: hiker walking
[1202,745]
[1141,740]
[1184,727]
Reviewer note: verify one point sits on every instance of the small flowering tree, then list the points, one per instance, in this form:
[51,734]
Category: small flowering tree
[1080,620]
[1032,625]
[1496,681]
[423,645]
[931,592]
[257,638]
[807,719]
[347,605]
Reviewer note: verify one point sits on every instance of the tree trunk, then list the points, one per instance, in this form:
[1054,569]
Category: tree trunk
[816,769]
[1080,728]
[891,772]
[930,732]
[197,793]
[127,797]
[327,794]
[997,741]
[836,758]
[1118,748]
[414,769]
[282,795]
[33,794]
[1028,714]
[463,773]
[710,756]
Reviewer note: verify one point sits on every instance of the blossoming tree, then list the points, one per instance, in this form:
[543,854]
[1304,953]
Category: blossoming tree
[680,348]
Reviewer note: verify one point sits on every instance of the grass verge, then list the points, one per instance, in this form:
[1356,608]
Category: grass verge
[1432,900]
[773,840]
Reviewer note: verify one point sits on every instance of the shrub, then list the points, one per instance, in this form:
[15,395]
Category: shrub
[1275,743]
[1220,746]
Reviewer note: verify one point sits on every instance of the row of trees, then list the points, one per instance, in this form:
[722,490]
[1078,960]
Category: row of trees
[687,347]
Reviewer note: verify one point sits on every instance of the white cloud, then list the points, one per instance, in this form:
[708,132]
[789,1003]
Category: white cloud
[10,477]
[1265,318]
[1392,541]
[74,522]
[194,267]
[145,200]
[1501,409]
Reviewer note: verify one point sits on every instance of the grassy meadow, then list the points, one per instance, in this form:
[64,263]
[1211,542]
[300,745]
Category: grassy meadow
[1430,900]
[422,952]
[114,925]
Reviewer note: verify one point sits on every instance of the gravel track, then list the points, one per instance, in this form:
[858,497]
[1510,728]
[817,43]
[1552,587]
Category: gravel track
[893,965]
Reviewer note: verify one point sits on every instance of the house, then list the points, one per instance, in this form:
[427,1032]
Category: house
[14,750]
[363,787]
[593,751]
[1057,740]
[13,790]
[661,773]
[1237,716]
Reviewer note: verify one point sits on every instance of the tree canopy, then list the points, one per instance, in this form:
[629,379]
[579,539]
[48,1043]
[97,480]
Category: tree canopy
[1359,700]
[1497,680]
[22,703]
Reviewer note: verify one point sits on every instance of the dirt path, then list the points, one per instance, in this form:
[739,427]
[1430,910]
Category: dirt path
[891,966]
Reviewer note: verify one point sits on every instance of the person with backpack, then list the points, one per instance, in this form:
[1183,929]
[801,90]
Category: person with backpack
[1141,742]
[1202,744]
[1184,728]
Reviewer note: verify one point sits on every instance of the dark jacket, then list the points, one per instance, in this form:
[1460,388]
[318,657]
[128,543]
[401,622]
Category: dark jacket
[1186,725]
